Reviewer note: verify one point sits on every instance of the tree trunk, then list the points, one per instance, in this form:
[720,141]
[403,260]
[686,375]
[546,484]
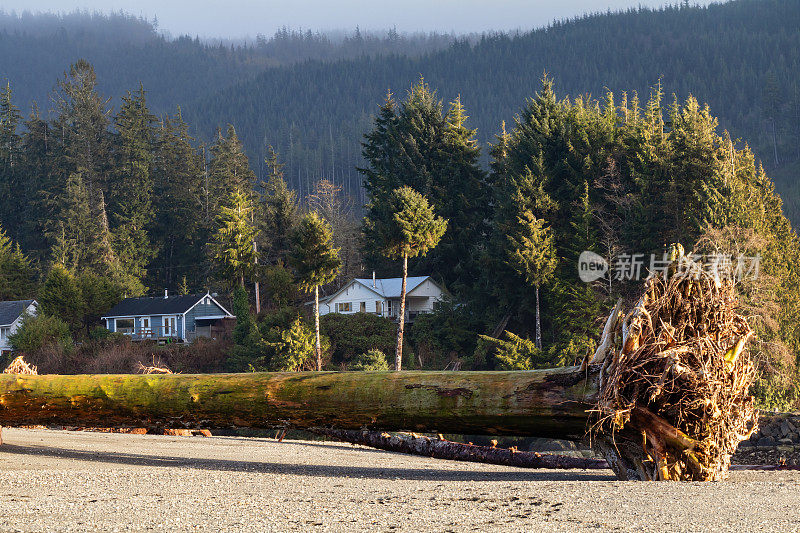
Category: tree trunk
[457,451]
[318,345]
[398,354]
[543,403]
[538,322]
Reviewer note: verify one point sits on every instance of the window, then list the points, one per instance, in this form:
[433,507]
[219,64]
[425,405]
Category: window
[390,308]
[124,325]
[344,307]
[146,323]
[378,308]
[207,300]
[4,333]
[363,307]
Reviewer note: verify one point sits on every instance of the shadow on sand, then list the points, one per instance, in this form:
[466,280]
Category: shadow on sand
[319,470]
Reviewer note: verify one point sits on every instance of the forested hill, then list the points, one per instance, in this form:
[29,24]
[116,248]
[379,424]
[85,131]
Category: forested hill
[312,96]
[742,57]
[126,50]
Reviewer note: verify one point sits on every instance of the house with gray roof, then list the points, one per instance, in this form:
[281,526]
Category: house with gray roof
[168,318]
[11,315]
[381,296]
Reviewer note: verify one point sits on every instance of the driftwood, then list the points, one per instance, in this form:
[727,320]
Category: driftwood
[542,403]
[444,449]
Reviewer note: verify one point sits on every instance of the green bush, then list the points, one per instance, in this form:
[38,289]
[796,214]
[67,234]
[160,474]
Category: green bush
[36,332]
[448,332]
[294,349]
[353,335]
[371,360]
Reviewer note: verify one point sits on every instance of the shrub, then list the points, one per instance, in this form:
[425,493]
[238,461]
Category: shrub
[371,360]
[294,348]
[451,331]
[352,335]
[36,332]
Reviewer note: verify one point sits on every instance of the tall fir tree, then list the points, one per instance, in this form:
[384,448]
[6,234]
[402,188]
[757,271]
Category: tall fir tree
[12,189]
[416,143]
[182,225]
[131,207]
[228,169]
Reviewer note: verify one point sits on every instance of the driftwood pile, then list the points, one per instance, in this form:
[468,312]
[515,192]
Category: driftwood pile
[19,366]
[674,401]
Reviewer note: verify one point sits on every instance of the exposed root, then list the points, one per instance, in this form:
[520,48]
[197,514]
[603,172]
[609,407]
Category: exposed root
[674,397]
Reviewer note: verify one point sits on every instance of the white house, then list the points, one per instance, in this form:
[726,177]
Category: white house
[11,315]
[382,297]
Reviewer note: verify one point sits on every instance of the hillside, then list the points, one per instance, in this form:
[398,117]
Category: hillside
[313,96]
[742,57]
[126,50]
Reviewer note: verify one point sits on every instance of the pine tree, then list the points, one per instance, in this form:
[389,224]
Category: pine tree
[417,144]
[402,227]
[532,254]
[315,262]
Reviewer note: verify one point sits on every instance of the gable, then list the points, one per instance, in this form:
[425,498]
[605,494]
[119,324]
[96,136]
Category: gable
[353,291]
[427,288]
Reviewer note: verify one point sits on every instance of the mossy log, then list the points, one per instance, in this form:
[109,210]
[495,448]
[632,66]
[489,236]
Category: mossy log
[543,403]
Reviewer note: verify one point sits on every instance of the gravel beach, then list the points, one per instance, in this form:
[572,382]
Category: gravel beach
[79,481]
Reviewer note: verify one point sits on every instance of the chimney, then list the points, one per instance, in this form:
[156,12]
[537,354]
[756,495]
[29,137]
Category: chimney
[373,279]
[166,294]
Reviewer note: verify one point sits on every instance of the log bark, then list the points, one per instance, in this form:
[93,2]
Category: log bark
[542,403]
[457,451]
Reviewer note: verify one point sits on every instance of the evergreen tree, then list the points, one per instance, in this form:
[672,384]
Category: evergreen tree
[406,226]
[246,336]
[16,272]
[233,245]
[315,262]
[61,297]
[12,189]
[279,212]
[532,254]
[131,209]
[228,170]
[182,223]
[417,144]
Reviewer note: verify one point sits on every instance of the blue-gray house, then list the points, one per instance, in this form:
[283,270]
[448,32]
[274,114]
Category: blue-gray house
[179,318]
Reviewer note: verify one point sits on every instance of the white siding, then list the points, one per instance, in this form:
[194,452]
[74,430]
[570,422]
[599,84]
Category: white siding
[7,332]
[355,294]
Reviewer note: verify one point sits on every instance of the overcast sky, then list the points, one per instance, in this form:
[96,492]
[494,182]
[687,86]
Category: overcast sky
[239,18]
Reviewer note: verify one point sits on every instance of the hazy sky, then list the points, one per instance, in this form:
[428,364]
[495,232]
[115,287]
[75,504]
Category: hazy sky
[238,18]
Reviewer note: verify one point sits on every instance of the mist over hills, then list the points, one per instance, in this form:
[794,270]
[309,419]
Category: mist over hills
[312,96]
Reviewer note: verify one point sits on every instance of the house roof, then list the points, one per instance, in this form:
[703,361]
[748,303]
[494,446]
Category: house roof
[10,311]
[391,287]
[157,305]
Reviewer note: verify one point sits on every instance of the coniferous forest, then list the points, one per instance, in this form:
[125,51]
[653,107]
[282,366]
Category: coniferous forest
[659,135]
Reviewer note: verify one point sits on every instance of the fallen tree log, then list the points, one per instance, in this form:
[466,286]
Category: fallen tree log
[542,403]
[457,451]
